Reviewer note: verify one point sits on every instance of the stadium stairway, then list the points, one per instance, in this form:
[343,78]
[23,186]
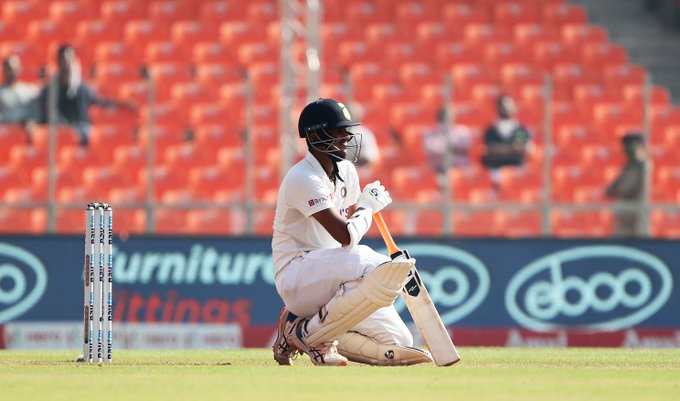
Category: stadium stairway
[641,33]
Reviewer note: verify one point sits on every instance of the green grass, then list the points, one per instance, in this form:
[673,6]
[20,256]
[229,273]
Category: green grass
[251,374]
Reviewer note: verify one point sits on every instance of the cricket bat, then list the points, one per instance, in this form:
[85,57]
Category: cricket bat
[420,306]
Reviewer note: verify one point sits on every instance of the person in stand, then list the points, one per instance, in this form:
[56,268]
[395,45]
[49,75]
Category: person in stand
[74,97]
[18,100]
[338,294]
[369,155]
[629,186]
[507,141]
[438,140]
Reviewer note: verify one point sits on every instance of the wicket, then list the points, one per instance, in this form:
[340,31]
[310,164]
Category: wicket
[98,284]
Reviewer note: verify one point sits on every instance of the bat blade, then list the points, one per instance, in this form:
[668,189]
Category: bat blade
[420,305]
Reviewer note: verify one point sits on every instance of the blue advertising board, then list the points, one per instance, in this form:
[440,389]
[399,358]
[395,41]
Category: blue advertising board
[534,284]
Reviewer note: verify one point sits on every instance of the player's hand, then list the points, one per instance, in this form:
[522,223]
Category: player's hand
[374,197]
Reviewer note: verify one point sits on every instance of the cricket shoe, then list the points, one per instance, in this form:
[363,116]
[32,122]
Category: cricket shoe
[327,355]
[284,351]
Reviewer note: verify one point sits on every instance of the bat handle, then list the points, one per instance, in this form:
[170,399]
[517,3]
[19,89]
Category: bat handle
[392,247]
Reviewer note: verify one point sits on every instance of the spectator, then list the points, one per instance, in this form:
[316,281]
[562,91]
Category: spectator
[628,187]
[507,141]
[367,155]
[74,97]
[18,100]
[440,140]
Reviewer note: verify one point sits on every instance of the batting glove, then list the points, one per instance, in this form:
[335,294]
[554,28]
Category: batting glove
[374,197]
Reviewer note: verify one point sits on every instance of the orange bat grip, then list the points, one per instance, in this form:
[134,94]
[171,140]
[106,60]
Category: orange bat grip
[385,233]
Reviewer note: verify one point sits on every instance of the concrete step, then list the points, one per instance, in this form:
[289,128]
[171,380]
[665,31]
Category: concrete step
[641,33]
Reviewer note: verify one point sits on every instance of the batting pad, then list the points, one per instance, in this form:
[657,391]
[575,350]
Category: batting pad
[360,348]
[375,290]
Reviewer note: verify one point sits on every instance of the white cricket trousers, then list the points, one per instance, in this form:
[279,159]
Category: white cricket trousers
[310,281]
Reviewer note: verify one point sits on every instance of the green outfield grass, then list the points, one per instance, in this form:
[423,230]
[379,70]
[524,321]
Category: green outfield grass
[251,374]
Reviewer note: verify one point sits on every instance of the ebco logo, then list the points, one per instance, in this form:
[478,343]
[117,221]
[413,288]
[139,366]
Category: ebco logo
[456,280]
[19,271]
[600,288]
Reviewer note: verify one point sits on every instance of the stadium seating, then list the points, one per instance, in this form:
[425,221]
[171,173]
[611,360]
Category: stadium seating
[396,54]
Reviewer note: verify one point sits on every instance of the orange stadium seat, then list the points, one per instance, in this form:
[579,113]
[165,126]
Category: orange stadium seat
[257,52]
[581,224]
[476,224]
[428,223]
[262,11]
[666,181]
[498,53]
[509,13]
[97,31]
[520,224]
[166,74]
[577,35]
[165,51]
[562,13]
[463,181]
[12,177]
[22,11]
[599,56]
[221,10]
[10,135]
[350,52]
[463,13]
[210,222]
[135,91]
[407,181]
[19,220]
[205,182]
[126,194]
[665,224]
[118,52]
[193,32]
[397,52]
[515,76]
[217,73]
[366,11]
[69,221]
[128,159]
[185,156]
[106,138]
[429,33]
[42,33]
[263,223]
[103,177]
[27,157]
[139,33]
[483,34]
[207,54]
[163,178]
[78,156]
[167,11]
[170,221]
[13,32]
[546,55]
[525,35]
[624,74]
[383,33]
[409,13]
[237,33]
[122,11]
[129,221]
[72,11]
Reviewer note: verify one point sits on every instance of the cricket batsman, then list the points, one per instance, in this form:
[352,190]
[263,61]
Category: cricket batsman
[338,294]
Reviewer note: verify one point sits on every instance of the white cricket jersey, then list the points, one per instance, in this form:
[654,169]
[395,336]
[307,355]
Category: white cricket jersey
[305,190]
